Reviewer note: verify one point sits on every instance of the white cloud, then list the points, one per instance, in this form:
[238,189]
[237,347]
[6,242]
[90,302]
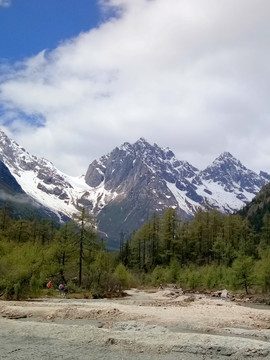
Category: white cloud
[189,74]
[5,3]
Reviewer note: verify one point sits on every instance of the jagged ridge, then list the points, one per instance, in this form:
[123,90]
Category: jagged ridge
[125,187]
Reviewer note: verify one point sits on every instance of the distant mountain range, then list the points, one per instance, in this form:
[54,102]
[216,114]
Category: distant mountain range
[125,187]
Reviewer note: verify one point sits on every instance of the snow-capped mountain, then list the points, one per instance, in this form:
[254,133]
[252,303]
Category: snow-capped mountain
[230,184]
[145,179]
[38,178]
[226,184]
[16,201]
[125,187]
[48,186]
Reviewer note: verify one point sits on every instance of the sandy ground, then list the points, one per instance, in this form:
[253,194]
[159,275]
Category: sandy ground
[161,324]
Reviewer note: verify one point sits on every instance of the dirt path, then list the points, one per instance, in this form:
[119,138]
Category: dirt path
[162,324]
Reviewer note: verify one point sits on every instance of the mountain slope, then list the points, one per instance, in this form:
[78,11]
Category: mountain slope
[17,202]
[50,187]
[230,185]
[39,179]
[125,187]
[136,177]
[146,179]
[258,208]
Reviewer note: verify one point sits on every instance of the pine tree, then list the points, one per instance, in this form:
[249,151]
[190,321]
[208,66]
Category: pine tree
[86,240]
[169,234]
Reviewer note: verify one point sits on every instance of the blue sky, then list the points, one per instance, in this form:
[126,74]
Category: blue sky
[30,26]
[78,78]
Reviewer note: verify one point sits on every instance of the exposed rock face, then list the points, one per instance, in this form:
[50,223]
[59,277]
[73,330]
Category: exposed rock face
[125,187]
[232,175]
[148,179]
[37,177]
[138,174]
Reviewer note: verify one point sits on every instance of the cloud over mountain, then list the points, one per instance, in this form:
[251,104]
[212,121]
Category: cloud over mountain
[193,72]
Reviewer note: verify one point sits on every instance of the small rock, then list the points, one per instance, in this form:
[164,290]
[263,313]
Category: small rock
[111,341]
[224,293]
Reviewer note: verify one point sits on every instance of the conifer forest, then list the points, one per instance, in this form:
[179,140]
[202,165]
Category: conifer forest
[212,251]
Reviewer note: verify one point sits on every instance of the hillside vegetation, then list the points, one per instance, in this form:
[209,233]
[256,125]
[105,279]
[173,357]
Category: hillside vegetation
[212,251]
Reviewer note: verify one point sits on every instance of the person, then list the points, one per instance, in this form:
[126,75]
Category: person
[63,290]
[49,285]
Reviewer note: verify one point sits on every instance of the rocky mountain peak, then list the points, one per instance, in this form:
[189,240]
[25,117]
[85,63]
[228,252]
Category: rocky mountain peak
[126,186]
[225,156]
[142,142]
[227,159]
[38,177]
[137,160]
[230,174]
[225,166]
[265,175]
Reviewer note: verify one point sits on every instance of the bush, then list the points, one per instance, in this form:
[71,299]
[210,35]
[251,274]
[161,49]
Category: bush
[214,276]
[8,291]
[14,291]
[262,269]
[123,276]
[190,277]
[243,276]
[159,276]
[18,290]
[173,271]
[35,286]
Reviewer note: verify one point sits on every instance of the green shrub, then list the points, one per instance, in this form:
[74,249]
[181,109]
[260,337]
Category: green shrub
[18,291]
[159,275]
[122,275]
[190,277]
[243,275]
[214,276]
[35,286]
[262,270]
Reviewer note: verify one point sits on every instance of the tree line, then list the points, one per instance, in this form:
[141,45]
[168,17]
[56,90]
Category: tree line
[212,250]
[209,252]
[36,251]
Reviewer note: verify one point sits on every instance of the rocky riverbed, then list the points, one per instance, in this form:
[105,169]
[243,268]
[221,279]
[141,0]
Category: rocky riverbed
[161,324]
